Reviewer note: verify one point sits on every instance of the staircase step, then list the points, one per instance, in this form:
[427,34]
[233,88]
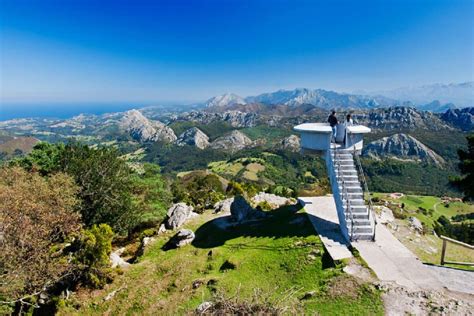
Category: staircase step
[354,202]
[363,236]
[351,189]
[360,229]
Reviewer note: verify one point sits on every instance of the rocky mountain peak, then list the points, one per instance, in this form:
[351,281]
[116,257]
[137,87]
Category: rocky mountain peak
[193,137]
[398,118]
[233,141]
[402,147]
[143,129]
[227,99]
[291,143]
[460,118]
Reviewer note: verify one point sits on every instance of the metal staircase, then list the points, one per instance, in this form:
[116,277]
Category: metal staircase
[349,188]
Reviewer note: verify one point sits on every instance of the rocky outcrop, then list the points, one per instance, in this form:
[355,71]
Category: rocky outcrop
[291,143]
[275,201]
[399,118]
[223,206]
[193,137]
[241,210]
[403,147]
[116,260]
[233,118]
[144,130]
[178,214]
[415,224]
[180,239]
[460,118]
[232,142]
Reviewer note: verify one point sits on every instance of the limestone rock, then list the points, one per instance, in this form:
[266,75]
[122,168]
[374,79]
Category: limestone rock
[193,137]
[403,147]
[180,239]
[232,142]
[460,118]
[386,215]
[116,260]
[203,307]
[143,129]
[415,224]
[274,200]
[178,214]
[291,143]
[241,210]
[223,206]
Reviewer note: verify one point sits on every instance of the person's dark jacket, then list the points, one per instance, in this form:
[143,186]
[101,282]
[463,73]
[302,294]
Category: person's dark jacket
[332,120]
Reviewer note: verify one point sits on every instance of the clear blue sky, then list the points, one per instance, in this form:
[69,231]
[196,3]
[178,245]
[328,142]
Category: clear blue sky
[183,51]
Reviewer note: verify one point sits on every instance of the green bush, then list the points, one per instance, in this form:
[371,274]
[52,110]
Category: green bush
[264,206]
[94,248]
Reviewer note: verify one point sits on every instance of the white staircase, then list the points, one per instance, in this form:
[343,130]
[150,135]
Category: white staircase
[348,185]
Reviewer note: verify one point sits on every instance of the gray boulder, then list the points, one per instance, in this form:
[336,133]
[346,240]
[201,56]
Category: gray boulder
[223,206]
[275,201]
[291,143]
[241,210]
[116,260]
[178,214]
[180,239]
[415,224]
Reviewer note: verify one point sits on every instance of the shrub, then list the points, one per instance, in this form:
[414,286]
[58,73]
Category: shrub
[37,215]
[94,248]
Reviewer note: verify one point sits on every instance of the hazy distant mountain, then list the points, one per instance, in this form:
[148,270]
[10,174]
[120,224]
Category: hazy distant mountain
[227,99]
[321,98]
[460,94]
[436,107]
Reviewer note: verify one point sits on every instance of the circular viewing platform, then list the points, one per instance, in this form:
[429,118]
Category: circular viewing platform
[317,136]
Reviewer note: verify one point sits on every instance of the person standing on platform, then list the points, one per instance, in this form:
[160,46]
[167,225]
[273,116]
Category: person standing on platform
[332,120]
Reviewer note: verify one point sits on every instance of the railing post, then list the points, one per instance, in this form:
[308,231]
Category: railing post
[443,252]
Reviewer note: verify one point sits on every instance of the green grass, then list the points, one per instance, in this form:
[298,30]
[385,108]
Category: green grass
[414,202]
[270,256]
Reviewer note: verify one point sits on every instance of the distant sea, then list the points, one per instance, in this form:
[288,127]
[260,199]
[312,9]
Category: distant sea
[12,110]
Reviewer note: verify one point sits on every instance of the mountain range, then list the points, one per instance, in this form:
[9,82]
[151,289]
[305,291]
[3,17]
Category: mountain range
[434,98]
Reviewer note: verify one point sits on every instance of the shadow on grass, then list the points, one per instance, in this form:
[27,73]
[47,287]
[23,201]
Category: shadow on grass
[286,221]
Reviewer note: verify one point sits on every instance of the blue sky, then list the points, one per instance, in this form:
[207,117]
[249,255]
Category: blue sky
[186,51]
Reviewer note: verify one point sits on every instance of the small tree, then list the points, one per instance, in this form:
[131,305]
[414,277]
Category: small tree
[105,185]
[466,182]
[37,215]
[92,258]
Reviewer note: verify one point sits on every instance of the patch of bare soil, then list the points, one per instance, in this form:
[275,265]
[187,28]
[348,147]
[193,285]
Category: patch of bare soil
[344,286]
[400,301]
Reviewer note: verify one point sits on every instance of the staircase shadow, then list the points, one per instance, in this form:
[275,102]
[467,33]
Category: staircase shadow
[286,221]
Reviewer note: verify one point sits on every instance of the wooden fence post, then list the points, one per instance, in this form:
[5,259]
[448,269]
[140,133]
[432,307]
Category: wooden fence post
[443,252]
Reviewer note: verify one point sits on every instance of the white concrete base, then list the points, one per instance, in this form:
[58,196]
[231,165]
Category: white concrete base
[322,213]
[392,261]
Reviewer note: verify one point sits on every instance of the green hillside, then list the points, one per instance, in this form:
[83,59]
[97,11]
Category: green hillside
[271,264]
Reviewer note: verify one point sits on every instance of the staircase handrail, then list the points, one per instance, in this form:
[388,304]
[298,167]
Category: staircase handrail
[366,190]
[345,193]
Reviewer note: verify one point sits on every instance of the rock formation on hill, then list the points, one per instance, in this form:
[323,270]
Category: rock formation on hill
[233,118]
[143,129]
[234,141]
[193,137]
[399,118]
[402,147]
[460,118]
[291,143]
